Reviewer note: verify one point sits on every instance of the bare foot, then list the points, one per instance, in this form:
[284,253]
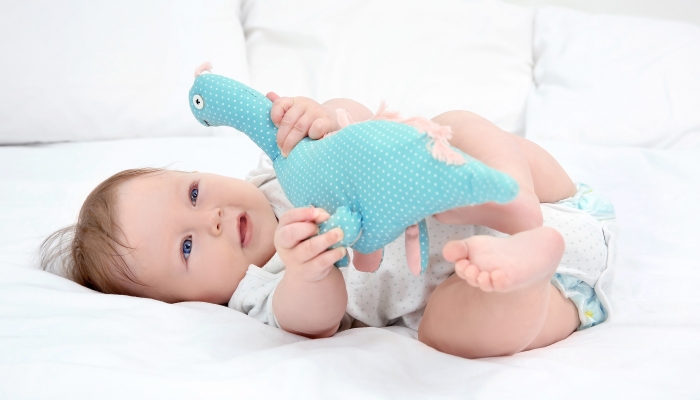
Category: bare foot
[506,264]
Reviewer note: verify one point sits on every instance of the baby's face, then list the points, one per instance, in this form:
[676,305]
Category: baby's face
[194,234]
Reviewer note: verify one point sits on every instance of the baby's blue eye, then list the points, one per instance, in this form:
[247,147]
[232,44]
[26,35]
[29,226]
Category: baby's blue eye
[186,248]
[193,195]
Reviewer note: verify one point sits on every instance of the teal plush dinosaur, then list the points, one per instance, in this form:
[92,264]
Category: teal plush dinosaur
[376,178]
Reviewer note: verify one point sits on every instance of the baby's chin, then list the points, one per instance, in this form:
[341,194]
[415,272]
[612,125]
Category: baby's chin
[264,258]
[224,294]
[264,246]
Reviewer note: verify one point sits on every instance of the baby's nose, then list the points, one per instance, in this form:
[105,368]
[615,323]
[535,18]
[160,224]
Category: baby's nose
[215,220]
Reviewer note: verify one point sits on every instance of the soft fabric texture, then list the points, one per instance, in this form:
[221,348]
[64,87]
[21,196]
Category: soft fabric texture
[84,70]
[588,200]
[422,58]
[254,294]
[680,10]
[375,178]
[586,290]
[590,310]
[615,81]
[392,296]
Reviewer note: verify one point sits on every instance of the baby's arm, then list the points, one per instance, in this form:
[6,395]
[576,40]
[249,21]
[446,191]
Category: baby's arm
[297,117]
[311,298]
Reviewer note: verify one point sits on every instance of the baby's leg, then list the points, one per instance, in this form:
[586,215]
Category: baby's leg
[540,177]
[550,180]
[500,301]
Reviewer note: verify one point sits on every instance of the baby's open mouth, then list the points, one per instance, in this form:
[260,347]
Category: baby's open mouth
[243,229]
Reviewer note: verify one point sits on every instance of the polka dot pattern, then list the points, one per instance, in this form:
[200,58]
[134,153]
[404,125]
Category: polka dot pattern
[230,103]
[381,171]
[586,253]
[350,223]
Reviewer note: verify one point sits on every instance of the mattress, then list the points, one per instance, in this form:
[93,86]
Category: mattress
[61,340]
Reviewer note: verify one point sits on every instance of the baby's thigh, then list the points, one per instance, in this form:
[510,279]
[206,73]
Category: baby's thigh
[550,180]
[467,127]
[467,322]
[485,141]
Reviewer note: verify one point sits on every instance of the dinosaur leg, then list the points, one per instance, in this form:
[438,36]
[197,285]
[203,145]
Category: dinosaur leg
[351,224]
[417,247]
[367,262]
[343,262]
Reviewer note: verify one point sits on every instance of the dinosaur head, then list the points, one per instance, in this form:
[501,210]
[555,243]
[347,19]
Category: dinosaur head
[219,101]
[203,99]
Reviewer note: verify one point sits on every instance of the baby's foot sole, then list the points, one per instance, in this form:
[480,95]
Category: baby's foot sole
[484,280]
[507,264]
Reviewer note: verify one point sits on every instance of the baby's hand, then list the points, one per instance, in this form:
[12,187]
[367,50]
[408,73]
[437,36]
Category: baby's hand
[305,255]
[297,117]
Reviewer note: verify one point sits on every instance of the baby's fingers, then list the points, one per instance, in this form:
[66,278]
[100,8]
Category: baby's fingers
[272,96]
[320,128]
[312,247]
[304,214]
[279,107]
[319,267]
[294,132]
[291,235]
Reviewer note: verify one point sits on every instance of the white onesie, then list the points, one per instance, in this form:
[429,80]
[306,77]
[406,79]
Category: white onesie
[392,295]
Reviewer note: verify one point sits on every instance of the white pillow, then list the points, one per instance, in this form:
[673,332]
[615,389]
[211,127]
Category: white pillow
[76,70]
[613,80]
[423,58]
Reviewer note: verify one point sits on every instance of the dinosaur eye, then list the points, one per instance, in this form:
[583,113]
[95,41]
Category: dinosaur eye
[198,101]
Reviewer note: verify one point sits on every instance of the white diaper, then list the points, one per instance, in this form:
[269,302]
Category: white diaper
[585,272]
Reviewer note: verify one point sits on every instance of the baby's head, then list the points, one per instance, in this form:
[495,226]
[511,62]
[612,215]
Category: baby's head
[168,235]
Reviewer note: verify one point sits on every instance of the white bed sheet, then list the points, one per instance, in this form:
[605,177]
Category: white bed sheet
[60,340]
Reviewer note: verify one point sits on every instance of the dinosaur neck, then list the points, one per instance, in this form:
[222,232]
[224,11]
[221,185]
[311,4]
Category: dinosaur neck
[247,110]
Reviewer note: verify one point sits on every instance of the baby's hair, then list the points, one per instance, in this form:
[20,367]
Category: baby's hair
[88,252]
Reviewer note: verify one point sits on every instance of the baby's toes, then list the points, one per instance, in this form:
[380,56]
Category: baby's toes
[484,281]
[467,271]
[500,280]
[461,267]
[471,275]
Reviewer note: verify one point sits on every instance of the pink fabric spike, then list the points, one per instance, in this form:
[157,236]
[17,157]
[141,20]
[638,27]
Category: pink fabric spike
[384,114]
[202,68]
[344,118]
[439,147]
[413,249]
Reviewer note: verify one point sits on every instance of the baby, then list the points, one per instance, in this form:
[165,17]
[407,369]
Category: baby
[491,289]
